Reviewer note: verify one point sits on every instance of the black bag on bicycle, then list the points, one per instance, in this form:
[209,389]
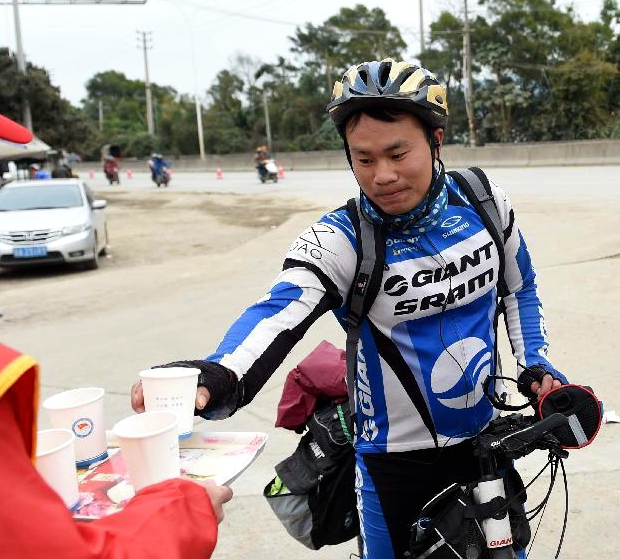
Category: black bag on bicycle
[444,530]
[448,527]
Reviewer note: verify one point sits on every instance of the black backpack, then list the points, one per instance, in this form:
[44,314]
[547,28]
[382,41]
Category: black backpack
[313,493]
[371,261]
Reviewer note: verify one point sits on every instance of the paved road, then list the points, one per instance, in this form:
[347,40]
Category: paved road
[154,313]
[331,186]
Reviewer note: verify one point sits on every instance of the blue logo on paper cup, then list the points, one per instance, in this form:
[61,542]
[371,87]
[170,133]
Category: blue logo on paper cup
[83,427]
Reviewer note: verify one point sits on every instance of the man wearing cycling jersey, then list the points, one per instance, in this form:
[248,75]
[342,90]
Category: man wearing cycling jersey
[427,343]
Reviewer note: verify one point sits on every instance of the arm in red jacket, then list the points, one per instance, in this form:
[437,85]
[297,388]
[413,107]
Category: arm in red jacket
[170,520]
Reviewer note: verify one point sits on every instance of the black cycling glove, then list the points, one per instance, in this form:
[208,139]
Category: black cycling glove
[226,391]
[534,373]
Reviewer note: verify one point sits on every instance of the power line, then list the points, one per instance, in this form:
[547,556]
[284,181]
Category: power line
[74,2]
[238,14]
[280,21]
[203,8]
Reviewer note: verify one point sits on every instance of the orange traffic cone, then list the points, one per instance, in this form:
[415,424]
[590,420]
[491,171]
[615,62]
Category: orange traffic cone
[280,172]
[219,174]
[129,174]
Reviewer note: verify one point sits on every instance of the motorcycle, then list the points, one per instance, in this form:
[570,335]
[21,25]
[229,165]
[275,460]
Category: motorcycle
[111,173]
[267,171]
[162,177]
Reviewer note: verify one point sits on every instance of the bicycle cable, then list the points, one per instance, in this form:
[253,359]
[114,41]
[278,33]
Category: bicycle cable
[555,462]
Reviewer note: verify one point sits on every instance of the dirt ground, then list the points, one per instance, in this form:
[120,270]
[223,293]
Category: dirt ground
[153,226]
[149,228]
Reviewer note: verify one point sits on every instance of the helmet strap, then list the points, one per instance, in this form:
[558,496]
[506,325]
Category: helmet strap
[438,175]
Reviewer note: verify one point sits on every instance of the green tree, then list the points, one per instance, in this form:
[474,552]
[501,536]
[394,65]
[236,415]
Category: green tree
[124,115]
[580,88]
[349,37]
[226,122]
[55,120]
[444,57]
[524,51]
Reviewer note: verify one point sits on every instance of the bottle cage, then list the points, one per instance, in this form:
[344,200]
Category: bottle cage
[499,400]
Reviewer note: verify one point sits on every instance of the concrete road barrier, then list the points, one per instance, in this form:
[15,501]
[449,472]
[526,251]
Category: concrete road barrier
[586,152]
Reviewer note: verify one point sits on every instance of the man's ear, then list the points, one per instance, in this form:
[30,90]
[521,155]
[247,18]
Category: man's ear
[437,141]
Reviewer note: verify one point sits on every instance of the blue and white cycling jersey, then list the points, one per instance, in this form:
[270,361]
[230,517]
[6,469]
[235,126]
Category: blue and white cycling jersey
[428,341]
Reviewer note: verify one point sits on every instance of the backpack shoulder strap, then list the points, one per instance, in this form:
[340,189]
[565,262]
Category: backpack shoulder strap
[365,286]
[475,185]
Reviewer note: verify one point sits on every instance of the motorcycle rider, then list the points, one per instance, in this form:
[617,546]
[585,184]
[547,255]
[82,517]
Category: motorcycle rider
[260,158]
[39,172]
[158,165]
[110,167]
[428,341]
[150,163]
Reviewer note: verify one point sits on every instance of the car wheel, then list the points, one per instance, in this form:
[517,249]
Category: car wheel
[93,263]
[104,250]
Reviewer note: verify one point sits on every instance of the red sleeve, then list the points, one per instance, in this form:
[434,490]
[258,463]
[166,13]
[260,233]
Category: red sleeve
[173,519]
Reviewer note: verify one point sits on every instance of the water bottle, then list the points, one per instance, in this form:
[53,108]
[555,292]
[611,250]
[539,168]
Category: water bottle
[496,530]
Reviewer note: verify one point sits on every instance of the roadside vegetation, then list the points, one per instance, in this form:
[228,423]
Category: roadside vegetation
[540,73]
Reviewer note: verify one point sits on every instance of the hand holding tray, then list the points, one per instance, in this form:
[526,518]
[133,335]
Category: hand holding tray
[208,455]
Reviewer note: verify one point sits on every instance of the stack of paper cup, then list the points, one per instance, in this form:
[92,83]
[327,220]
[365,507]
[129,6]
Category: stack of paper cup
[56,464]
[172,389]
[81,411]
[149,447]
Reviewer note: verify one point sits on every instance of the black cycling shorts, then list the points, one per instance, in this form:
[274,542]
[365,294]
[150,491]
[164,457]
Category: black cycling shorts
[393,487]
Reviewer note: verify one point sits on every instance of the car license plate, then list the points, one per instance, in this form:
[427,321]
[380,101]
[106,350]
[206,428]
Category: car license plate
[30,252]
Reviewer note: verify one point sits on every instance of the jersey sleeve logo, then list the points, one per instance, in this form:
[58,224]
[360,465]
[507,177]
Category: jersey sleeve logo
[313,242]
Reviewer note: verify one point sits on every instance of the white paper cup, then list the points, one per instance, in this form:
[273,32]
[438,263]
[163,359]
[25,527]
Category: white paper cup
[81,411]
[56,464]
[149,447]
[172,389]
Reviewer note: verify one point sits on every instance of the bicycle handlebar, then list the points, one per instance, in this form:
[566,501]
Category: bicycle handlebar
[515,436]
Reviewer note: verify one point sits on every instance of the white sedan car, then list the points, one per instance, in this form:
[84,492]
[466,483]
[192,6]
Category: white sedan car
[51,221]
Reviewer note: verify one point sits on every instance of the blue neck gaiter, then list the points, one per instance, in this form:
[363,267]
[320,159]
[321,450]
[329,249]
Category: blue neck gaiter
[406,222]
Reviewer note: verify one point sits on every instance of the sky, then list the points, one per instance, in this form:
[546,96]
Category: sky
[191,40]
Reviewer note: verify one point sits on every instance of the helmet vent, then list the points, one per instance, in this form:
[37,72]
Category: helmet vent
[363,76]
[384,74]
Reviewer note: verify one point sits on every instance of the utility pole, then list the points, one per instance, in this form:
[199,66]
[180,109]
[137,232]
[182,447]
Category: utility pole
[147,44]
[468,83]
[100,115]
[201,140]
[21,63]
[421,28]
[267,123]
